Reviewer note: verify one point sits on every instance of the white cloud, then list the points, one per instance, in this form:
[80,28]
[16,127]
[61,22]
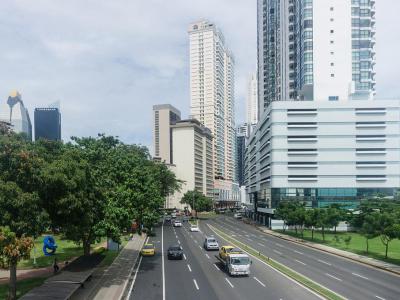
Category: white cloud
[108,62]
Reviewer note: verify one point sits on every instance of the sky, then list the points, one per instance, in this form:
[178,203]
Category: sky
[109,62]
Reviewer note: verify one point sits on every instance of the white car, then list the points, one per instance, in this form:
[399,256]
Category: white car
[194,228]
[177,224]
[237,216]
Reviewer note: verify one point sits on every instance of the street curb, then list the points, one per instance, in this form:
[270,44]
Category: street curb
[327,251]
[131,271]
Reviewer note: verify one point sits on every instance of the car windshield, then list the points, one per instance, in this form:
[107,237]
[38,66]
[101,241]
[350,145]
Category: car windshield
[148,247]
[240,261]
[234,250]
[211,241]
[174,248]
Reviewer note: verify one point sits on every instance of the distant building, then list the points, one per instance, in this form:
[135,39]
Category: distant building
[15,113]
[164,115]
[47,124]
[252,101]
[242,134]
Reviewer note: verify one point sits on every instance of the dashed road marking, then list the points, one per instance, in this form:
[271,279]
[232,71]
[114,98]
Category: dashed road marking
[324,262]
[190,269]
[195,283]
[280,245]
[380,298]
[276,251]
[358,275]
[216,267]
[207,256]
[184,256]
[179,242]
[200,247]
[261,244]
[255,278]
[230,283]
[298,252]
[300,262]
[334,277]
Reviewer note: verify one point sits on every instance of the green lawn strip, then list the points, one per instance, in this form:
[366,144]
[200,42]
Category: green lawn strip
[110,256]
[23,286]
[357,244]
[285,270]
[193,222]
[206,215]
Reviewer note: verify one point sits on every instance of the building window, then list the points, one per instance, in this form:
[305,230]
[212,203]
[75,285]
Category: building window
[333,98]
[332,31]
[331,8]
[332,75]
[332,64]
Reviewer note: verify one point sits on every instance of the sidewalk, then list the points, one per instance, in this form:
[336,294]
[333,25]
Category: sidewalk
[111,283]
[349,255]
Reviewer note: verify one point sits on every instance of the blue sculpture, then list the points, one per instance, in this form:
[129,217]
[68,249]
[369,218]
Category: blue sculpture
[49,244]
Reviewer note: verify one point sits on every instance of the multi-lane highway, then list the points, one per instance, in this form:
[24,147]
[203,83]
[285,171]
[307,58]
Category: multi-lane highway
[199,276]
[345,277]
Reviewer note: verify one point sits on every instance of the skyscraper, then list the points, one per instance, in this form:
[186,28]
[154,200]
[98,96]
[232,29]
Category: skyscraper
[47,124]
[15,113]
[212,92]
[252,101]
[164,115]
[314,50]
[241,137]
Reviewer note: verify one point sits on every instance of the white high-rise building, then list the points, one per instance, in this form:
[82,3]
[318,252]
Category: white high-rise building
[252,101]
[315,50]
[212,92]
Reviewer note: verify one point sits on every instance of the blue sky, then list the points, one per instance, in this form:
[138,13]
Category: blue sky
[108,62]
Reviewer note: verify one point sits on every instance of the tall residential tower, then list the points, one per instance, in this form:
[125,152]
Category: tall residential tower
[315,50]
[212,93]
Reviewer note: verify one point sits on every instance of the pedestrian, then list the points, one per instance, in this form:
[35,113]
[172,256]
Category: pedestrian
[55,266]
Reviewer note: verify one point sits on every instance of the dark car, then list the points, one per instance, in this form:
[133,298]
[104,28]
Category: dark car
[175,252]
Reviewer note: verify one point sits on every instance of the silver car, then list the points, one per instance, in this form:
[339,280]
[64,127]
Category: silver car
[210,243]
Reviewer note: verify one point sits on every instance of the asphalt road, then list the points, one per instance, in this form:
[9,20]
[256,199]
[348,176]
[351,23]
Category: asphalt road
[345,277]
[199,276]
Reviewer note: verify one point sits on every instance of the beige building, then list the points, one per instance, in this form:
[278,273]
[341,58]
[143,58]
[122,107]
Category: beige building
[164,115]
[192,156]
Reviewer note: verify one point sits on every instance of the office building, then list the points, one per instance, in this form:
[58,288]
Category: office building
[315,50]
[323,152]
[192,159]
[48,124]
[241,137]
[252,101]
[164,115]
[212,93]
[15,113]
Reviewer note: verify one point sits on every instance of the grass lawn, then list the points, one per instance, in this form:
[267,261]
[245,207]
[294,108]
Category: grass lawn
[356,245]
[206,215]
[66,250]
[23,286]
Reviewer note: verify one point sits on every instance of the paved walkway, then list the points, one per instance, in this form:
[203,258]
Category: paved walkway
[349,255]
[111,284]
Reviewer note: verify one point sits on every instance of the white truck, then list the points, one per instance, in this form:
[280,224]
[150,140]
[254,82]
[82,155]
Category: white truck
[236,264]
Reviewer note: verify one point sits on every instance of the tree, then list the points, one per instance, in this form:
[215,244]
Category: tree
[21,213]
[370,228]
[333,217]
[197,201]
[311,220]
[322,221]
[387,229]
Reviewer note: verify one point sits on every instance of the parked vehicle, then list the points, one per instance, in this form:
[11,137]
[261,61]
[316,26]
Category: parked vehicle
[175,252]
[210,243]
[185,218]
[237,216]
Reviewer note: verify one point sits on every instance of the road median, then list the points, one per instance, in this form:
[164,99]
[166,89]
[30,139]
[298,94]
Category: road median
[303,280]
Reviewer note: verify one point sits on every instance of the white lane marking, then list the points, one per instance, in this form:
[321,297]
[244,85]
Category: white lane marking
[261,244]
[200,247]
[380,298]
[195,241]
[334,277]
[259,281]
[280,253]
[190,269]
[358,275]
[247,235]
[162,258]
[298,252]
[233,234]
[134,279]
[280,245]
[184,256]
[300,262]
[176,236]
[207,256]
[324,262]
[250,240]
[230,283]
[195,283]
[179,242]
[216,267]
